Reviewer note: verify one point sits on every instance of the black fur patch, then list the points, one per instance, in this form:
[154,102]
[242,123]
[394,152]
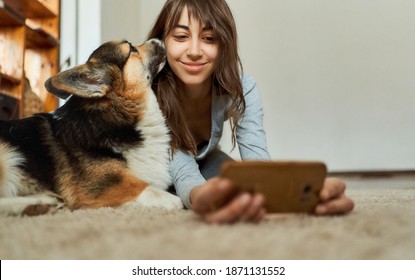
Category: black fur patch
[94,129]
[109,53]
[27,136]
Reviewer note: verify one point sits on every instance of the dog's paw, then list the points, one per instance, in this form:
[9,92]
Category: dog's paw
[173,202]
[153,197]
[36,209]
[29,205]
[41,209]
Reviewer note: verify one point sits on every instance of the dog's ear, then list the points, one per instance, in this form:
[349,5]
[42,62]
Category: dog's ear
[83,80]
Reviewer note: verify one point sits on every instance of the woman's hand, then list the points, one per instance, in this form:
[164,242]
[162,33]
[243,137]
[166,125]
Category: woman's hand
[333,198]
[218,202]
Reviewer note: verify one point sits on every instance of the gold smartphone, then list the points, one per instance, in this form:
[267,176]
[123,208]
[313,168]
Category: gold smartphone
[288,186]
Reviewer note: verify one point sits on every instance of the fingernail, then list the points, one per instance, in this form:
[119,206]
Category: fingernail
[244,200]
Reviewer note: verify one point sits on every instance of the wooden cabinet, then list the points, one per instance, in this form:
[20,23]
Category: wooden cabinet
[29,47]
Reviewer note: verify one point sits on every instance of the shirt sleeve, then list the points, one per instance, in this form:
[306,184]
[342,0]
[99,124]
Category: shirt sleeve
[250,133]
[185,173]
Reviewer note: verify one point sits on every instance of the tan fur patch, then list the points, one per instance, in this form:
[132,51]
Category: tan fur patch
[127,190]
[102,184]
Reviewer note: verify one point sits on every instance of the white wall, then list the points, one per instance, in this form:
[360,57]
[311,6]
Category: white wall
[89,28]
[128,19]
[337,77]
[80,30]
[68,35]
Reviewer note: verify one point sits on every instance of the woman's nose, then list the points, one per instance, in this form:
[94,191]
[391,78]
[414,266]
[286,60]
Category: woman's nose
[195,48]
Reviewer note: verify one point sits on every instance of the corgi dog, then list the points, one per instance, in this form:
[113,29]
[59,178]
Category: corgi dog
[107,146]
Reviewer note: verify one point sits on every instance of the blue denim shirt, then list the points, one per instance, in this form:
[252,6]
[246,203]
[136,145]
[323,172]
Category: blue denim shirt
[250,136]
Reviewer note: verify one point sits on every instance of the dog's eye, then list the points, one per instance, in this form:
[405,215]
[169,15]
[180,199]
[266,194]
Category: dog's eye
[133,49]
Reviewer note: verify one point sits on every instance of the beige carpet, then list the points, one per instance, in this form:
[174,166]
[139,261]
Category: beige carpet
[381,227]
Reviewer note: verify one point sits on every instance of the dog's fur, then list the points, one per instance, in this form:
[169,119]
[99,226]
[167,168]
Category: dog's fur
[107,146]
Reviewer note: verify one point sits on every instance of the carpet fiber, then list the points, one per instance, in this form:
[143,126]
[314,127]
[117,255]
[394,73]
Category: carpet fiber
[382,226]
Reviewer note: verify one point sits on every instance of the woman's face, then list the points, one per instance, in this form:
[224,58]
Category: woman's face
[191,51]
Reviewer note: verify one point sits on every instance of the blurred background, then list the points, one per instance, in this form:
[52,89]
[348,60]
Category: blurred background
[337,77]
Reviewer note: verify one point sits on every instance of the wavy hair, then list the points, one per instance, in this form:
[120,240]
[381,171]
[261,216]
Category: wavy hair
[226,78]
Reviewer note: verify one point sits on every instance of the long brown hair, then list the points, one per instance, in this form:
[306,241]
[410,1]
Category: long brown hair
[227,74]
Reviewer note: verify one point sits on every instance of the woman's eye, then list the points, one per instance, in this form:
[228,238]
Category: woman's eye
[209,39]
[180,37]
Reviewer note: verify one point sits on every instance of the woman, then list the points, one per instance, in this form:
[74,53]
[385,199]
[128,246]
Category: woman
[201,86]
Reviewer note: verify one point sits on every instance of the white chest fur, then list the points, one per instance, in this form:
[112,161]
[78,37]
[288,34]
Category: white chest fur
[150,161]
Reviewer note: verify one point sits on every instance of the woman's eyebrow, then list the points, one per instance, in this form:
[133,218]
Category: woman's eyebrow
[187,27]
[182,26]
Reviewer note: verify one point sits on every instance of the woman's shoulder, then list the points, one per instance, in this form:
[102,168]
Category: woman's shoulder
[248,83]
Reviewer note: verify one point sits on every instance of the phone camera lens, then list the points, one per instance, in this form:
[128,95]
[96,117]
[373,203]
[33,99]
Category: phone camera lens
[307,189]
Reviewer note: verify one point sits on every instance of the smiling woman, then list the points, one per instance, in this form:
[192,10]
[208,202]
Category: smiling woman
[201,40]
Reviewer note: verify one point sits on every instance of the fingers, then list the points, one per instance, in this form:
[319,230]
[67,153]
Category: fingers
[231,212]
[341,205]
[244,208]
[333,198]
[211,196]
[254,211]
[333,187]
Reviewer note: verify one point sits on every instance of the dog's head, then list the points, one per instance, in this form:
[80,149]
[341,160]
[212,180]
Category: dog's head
[115,67]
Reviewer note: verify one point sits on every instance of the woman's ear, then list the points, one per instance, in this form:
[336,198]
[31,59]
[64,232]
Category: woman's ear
[83,81]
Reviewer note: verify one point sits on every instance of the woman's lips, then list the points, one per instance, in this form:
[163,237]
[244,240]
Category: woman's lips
[193,67]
